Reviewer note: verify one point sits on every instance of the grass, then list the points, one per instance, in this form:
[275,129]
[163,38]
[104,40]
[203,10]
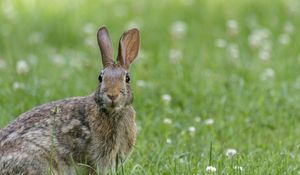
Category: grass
[235,63]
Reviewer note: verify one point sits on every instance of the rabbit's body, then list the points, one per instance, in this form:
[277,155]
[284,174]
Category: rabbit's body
[73,128]
[97,130]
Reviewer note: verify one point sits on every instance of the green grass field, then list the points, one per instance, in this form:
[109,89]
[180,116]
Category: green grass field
[220,72]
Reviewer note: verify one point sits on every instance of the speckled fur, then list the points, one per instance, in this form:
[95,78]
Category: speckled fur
[93,130]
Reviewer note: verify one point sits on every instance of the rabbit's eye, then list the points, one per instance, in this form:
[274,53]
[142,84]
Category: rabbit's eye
[127,78]
[100,78]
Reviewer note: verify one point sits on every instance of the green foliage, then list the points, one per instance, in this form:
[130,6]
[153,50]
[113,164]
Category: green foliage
[220,72]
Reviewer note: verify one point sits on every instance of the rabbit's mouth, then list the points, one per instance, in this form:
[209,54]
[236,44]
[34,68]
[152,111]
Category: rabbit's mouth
[113,105]
[108,104]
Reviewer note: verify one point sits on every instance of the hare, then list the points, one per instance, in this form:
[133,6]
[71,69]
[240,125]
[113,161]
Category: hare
[97,130]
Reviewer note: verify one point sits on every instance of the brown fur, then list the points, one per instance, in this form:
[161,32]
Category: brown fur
[98,130]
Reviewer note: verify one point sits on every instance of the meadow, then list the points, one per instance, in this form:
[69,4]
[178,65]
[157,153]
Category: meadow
[216,82]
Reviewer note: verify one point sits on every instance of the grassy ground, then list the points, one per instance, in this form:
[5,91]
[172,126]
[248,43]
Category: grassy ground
[220,72]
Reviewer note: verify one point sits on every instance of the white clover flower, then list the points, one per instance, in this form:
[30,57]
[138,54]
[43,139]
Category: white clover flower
[140,83]
[8,9]
[209,121]
[253,40]
[18,85]
[142,54]
[211,169]
[197,119]
[192,129]
[267,74]
[264,55]
[169,141]
[232,26]
[166,98]
[77,62]
[36,38]
[230,152]
[284,39]
[221,43]
[233,51]
[2,64]
[58,60]
[263,33]
[175,55]
[257,37]
[22,67]
[238,168]
[178,29]
[89,28]
[292,7]
[89,41]
[167,121]
[183,160]
[139,127]
[289,28]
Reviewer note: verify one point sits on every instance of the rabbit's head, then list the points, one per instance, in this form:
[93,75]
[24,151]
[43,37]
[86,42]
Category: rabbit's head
[114,90]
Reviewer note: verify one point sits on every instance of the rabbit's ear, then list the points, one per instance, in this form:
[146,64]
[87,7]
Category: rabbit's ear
[128,47]
[105,46]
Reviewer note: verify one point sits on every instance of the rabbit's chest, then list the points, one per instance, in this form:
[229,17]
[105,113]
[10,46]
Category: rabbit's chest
[111,140]
[124,133]
[125,137]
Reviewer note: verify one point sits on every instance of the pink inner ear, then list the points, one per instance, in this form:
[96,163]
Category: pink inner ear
[128,47]
[121,53]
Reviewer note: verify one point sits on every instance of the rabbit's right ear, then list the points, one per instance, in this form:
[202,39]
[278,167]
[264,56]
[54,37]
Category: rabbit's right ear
[128,47]
[105,46]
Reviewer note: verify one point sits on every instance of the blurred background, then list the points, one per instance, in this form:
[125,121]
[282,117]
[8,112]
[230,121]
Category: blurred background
[220,72]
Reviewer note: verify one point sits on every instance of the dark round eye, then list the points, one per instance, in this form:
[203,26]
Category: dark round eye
[100,78]
[127,78]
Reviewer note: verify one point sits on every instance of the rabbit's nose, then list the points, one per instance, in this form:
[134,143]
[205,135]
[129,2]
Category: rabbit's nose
[112,97]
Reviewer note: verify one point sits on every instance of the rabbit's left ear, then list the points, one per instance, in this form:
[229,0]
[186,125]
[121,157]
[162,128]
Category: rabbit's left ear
[128,47]
[105,46]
